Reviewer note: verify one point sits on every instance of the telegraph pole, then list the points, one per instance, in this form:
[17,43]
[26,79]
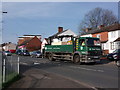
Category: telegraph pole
[2,78]
[2,25]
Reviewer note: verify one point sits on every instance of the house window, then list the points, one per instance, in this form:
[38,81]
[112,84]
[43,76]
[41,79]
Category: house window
[113,34]
[106,46]
[112,45]
[102,46]
[117,45]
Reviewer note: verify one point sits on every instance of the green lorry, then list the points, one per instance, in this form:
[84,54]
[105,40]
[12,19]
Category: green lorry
[78,50]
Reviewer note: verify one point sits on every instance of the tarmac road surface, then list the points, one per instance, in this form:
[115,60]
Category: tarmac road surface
[39,70]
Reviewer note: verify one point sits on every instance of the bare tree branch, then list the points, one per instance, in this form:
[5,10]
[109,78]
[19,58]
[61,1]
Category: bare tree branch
[96,17]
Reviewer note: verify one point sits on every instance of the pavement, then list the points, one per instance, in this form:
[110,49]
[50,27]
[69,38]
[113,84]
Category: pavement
[37,78]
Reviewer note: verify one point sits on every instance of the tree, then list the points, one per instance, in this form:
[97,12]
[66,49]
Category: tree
[96,17]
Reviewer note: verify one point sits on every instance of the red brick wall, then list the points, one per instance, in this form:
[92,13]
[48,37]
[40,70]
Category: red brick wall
[20,41]
[103,36]
[34,44]
[26,38]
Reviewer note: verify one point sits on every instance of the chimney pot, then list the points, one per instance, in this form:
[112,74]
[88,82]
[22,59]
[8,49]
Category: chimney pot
[60,29]
[87,29]
[100,26]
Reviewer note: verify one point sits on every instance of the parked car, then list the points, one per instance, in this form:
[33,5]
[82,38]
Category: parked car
[7,53]
[115,56]
[12,51]
[26,53]
[36,54]
[18,51]
[110,56]
[23,52]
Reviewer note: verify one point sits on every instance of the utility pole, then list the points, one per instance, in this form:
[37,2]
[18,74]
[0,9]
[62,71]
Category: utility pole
[3,12]
[2,72]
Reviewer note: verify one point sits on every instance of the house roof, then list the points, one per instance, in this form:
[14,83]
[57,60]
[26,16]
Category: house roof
[10,44]
[105,29]
[31,35]
[26,41]
[57,34]
[118,39]
[21,37]
[104,41]
[28,36]
[60,33]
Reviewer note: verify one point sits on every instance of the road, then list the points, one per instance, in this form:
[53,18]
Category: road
[100,75]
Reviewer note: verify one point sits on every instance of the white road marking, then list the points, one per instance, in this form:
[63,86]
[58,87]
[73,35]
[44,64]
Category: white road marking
[35,63]
[23,63]
[88,69]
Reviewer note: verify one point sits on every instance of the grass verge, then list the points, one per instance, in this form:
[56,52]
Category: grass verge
[8,83]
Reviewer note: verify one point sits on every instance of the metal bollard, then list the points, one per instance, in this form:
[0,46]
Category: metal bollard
[3,70]
[18,64]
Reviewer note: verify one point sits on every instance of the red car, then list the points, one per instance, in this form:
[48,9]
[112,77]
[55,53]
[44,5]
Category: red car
[12,51]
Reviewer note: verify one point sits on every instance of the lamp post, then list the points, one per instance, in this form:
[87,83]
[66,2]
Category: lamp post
[4,12]
[1,61]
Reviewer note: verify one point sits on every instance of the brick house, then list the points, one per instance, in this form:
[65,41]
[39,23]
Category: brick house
[103,36]
[106,36]
[31,43]
[27,37]
[114,40]
[9,46]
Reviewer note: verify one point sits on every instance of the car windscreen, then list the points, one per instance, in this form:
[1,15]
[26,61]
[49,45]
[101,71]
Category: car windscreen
[7,51]
[116,51]
[38,52]
[93,42]
[25,50]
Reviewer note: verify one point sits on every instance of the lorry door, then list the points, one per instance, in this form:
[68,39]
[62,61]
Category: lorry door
[81,46]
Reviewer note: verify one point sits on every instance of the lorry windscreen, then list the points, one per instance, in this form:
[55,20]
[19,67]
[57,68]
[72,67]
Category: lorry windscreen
[93,42]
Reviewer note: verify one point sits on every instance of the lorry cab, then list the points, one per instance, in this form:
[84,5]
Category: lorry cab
[88,48]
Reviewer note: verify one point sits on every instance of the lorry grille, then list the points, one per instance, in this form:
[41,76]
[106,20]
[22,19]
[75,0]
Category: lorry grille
[94,53]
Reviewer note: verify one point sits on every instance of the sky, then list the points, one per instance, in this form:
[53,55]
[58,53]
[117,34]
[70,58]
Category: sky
[44,18]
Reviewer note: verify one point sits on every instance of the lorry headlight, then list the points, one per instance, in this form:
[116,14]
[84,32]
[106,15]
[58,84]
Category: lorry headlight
[115,56]
[45,48]
[89,58]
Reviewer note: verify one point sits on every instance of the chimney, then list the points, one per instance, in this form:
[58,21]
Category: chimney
[87,29]
[60,29]
[100,26]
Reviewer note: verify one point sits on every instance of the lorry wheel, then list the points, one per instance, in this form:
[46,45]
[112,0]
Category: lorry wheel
[50,57]
[76,59]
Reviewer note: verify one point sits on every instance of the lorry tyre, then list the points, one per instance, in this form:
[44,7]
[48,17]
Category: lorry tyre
[50,57]
[76,59]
